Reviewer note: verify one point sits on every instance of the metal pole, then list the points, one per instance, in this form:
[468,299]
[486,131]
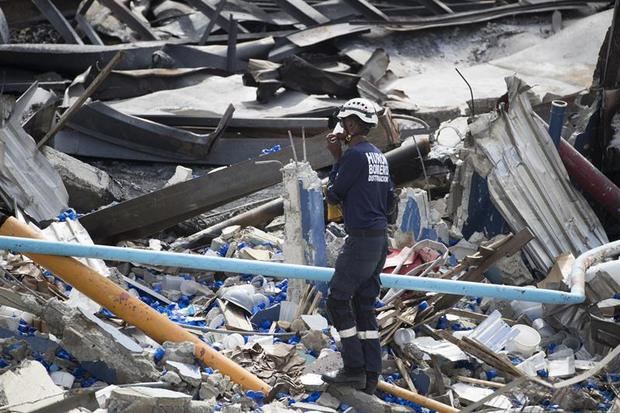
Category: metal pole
[556,120]
[278,270]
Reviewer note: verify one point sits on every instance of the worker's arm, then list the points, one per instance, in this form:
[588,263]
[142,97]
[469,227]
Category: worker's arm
[343,175]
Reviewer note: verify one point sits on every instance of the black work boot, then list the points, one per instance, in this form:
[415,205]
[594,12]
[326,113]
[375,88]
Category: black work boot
[372,379]
[355,378]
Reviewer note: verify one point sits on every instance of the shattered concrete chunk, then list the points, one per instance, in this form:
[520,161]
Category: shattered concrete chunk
[315,340]
[180,352]
[181,174]
[28,383]
[111,357]
[88,187]
[171,377]
[147,400]
[189,373]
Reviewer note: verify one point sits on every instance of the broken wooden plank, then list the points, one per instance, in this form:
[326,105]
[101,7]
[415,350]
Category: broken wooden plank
[80,101]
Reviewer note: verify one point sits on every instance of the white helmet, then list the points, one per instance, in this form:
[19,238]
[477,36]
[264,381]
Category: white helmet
[364,109]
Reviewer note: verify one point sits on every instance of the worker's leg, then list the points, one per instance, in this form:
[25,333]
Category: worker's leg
[368,328]
[355,266]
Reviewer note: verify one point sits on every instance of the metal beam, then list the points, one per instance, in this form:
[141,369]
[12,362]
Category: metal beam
[303,12]
[436,6]
[156,211]
[231,51]
[130,19]
[612,55]
[369,11]
[84,25]
[209,11]
[88,30]
[212,20]
[5,35]
[54,16]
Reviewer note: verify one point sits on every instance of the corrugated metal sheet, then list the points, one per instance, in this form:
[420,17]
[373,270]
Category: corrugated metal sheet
[528,182]
[26,176]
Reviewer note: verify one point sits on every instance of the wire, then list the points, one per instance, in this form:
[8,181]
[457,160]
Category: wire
[471,92]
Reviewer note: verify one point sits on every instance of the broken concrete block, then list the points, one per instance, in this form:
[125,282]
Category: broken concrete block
[88,187]
[304,225]
[100,348]
[215,385]
[171,377]
[189,373]
[181,174]
[328,360]
[181,352]
[313,382]
[202,406]
[28,383]
[311,407]
[315,340]
[147,400]
[327,400]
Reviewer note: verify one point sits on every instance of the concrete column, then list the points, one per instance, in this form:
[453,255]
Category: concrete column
[304,228]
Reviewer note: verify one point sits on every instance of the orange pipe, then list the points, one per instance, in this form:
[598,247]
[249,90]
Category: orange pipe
[131,309]
[416,398]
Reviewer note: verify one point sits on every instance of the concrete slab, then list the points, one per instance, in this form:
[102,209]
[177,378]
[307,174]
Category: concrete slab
[28,383]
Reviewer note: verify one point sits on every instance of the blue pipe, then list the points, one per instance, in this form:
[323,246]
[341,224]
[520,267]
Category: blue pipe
[556,120]
[201,262]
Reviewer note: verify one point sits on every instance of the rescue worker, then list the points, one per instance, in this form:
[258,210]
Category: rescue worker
[360,183]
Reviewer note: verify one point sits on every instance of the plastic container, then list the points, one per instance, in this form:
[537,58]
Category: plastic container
[63,379]
[188,287]
[232,341]
[533,311]
[544,329]
[404,336]
[172,282]
[525,342]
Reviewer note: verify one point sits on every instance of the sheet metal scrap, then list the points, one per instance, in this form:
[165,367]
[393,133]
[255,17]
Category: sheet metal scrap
[527,181]
[68,59]
[26,177]
[138,217]
[102,122]
[5,35]
[297,74]
[477,16]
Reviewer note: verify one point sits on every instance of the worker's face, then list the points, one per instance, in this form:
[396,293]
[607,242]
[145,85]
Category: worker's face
[349,124]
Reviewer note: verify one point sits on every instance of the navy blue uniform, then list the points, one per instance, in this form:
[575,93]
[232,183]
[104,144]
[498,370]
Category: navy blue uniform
[360,182]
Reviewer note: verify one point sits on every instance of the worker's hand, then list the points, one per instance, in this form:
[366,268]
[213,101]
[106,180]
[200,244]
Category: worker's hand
[334,144]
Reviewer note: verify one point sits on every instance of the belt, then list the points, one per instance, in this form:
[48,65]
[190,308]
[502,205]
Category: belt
[366,232]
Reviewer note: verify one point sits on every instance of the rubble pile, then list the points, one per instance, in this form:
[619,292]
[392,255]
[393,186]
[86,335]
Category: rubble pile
[201,285]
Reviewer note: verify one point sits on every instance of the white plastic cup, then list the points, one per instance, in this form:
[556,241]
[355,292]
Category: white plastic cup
[526,341]
[404,336]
